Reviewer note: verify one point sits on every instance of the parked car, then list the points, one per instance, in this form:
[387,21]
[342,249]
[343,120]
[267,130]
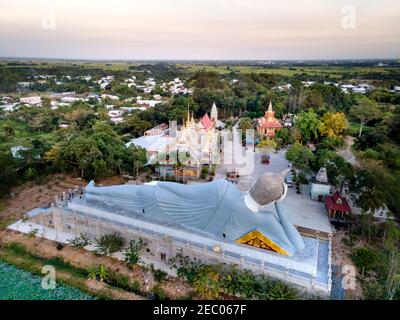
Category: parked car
[289,182]
[265,158]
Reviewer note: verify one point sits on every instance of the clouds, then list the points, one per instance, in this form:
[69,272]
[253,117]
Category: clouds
[207,29]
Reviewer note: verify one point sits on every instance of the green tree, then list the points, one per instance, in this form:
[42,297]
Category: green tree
[245,124]
[8,172]
[370,187]
[365,111]
[313,100]
[301,156]
[340,172]
[100,168]
[365,258]
[136,125]
[308,124]
[333,124]
[283,137]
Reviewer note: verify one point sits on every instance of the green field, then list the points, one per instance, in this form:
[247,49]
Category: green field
[17,284]
[289,71]
[335,72]
[111,66]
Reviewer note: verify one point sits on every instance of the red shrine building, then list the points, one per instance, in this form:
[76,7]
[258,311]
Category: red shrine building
[337,206]
[268,124]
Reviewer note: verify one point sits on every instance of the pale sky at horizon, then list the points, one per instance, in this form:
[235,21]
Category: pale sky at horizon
[206,29]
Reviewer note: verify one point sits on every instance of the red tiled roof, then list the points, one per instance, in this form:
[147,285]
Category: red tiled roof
[206,122]
[269,121]
[265,124]
[337,203]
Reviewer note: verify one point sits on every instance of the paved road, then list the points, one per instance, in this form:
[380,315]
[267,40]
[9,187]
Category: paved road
[252,168]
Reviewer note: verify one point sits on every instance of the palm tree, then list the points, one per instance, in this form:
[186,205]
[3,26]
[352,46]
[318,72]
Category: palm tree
[102,273]
[92,273]
[246,123]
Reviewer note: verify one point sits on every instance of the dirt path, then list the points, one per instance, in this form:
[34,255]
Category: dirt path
[341,257]
[347,153]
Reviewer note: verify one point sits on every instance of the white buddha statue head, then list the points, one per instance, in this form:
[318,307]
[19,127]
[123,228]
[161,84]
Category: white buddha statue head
[268,188]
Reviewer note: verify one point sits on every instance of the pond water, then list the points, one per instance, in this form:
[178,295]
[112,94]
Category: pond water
[17,284]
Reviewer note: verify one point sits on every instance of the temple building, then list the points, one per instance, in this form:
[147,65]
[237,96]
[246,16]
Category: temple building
[183,152]
[268,124]
[337,207]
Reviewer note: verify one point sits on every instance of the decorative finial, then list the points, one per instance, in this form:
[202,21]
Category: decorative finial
[270,106]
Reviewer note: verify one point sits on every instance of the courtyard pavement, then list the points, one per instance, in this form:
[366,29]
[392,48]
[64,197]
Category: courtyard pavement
[300,208]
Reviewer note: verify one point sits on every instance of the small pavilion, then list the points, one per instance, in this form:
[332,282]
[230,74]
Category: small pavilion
[337,206]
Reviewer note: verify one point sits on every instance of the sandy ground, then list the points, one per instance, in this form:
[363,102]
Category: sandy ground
[341,258]
[347,153]
[32,195]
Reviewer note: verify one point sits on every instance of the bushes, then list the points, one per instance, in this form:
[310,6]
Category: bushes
[209,282]
[217,281]
[204,172]
[185,267]
[276,290]
[132,252]
[17,248]
[365,259]
[158,274]
[114,279]
[98,273]
[302,178]
[109,243]
[135,286]
[159,293]
[80,242]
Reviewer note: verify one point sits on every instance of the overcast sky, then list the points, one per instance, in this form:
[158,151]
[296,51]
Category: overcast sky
[201,29]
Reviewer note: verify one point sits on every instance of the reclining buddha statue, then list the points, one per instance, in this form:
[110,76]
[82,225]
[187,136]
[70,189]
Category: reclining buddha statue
[216,209]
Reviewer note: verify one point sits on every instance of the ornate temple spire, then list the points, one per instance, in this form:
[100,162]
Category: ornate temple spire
[270,107]
[188,117]
[214,112]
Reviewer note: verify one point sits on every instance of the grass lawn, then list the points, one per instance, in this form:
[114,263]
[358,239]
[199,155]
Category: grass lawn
[332,71]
